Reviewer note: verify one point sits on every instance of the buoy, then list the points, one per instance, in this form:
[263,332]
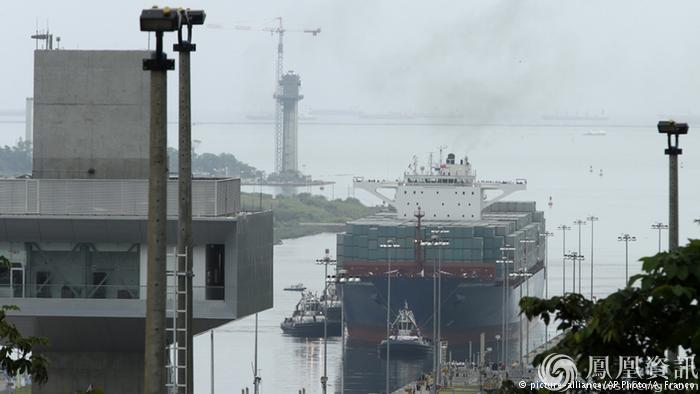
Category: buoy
[550,203]
[601,172]
[590,169]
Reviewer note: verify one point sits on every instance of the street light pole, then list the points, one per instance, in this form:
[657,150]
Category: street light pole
[673,129]
[505,332]
[546,235]
[325,261]
[592,219]
[184,239]
[520,273]
[564,228]
[659,226]
[435,241]
[525,242]
[626,238]
[158,21]
[390,244]
[574,257]
[580,223]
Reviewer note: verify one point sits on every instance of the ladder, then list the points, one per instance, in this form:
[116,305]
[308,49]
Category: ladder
[175,351]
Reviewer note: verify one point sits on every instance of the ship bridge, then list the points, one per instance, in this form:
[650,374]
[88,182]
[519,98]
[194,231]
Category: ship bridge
[447,192]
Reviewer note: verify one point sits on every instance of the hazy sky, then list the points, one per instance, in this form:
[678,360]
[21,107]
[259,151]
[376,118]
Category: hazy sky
[488,59]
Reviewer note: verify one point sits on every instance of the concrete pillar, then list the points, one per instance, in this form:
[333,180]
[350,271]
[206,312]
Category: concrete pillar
[154,379]
[673,202]
[184,239]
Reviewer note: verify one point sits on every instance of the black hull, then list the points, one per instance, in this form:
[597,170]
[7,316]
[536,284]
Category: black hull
[468,308]
[311,330]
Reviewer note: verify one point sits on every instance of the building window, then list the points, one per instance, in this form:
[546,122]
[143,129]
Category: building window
[82,270]
[214,268]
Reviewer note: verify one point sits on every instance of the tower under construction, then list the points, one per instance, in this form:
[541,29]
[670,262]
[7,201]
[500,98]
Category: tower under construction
[288,98]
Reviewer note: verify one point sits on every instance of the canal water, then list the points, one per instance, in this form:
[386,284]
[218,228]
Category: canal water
[288,364]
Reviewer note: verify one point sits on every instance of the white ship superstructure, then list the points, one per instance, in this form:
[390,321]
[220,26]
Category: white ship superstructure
[449,191]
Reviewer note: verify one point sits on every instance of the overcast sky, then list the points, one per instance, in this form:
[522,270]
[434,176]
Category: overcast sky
[489,59]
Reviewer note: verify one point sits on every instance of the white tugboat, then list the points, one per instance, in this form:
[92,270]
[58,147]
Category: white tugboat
[405,337]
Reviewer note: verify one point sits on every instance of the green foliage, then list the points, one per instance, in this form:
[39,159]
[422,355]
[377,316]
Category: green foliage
[209,164]
[16,355]
[289,211]
[16,160]
[659,311]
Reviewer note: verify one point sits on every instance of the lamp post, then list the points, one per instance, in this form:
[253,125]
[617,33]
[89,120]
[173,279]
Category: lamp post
[435,241]
[526,242]
[673,129]
[159,21]
[574,257]
[564,228]
[520,273]
[626,238]
[592,219]
[659,226]
[390,244]
[579,223]
[325,261]
[546,235]
[505,332]
[184,46]
[341,278]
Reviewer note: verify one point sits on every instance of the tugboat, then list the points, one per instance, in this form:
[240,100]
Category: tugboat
[334,303]
[296,287]
[405,337]
[308,319]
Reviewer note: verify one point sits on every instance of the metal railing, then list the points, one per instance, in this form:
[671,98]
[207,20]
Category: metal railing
[112,197]
[104,291]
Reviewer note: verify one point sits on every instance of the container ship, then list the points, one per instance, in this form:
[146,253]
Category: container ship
[450,229]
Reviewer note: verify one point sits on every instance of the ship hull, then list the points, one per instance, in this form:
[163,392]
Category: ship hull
[404,348]
[468,308]
[310,330]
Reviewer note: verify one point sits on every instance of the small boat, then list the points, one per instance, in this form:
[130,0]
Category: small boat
[308,319]
[595,133]
[296,287]
[405,337]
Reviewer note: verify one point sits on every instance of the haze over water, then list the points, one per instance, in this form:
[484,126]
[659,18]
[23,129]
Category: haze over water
[629,197]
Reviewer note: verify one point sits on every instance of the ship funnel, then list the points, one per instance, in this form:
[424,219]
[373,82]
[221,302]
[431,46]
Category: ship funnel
[451,158]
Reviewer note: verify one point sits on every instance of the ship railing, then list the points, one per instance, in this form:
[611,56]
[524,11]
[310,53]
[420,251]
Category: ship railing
[517,181]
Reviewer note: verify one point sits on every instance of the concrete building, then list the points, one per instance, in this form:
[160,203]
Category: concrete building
[76,237]
[90,114]
[289,99]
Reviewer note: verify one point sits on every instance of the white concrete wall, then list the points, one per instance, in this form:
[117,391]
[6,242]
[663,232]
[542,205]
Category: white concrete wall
[90,111]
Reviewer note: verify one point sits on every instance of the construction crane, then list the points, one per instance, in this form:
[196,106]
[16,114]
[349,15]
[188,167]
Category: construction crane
[280,31]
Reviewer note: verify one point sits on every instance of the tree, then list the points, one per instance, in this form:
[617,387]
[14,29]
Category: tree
[16,354]
[656,313]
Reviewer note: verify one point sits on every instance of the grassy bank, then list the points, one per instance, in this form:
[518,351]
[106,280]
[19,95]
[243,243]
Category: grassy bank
[305,214]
